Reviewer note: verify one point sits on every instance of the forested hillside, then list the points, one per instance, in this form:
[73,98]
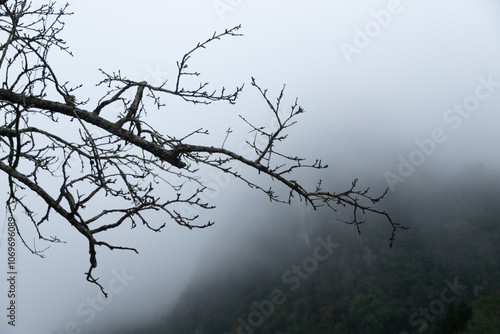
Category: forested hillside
[439,274]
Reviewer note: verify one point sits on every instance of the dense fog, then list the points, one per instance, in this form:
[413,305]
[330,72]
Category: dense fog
[400,94]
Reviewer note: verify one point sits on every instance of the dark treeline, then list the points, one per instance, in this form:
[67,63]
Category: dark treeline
[441,276]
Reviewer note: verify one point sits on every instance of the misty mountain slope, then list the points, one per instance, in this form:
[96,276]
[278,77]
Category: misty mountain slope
[363,286]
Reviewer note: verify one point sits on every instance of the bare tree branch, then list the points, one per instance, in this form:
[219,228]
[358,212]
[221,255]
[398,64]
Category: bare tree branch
[98,172]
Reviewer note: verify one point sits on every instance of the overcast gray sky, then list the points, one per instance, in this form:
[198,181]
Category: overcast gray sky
[380,81]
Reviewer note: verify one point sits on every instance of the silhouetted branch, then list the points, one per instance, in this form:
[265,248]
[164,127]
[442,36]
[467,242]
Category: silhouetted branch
[98,171]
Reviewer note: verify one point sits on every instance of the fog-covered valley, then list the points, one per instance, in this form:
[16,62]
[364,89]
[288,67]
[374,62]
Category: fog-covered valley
[354,283]
[412,106]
